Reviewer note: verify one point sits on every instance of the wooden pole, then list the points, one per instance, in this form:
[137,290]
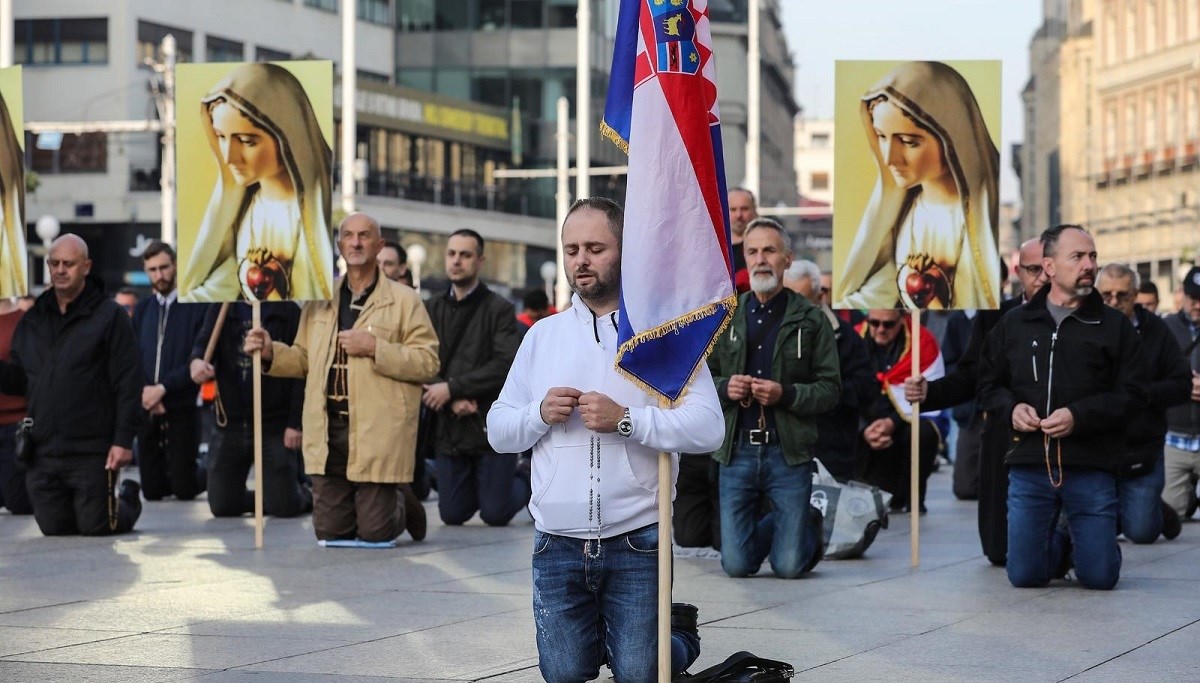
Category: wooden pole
[216,333]
[664,567]
[256,321]
[914,488]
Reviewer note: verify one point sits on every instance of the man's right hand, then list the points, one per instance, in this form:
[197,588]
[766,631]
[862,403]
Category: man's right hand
[1025,418]
[201,371]
[738,387]
[259,339]
[915,389]
[1195,386]
[556,408]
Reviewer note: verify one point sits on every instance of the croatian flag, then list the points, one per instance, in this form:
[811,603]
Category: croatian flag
[676,267]
[932,367]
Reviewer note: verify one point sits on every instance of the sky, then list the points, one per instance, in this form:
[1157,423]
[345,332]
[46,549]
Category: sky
[820,32]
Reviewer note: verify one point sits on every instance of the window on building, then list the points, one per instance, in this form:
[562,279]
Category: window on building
[820,181]
[1193,120]
[1152,123]
[266,54]
[375,11]
[1151,25]
[453,15]
[1131,26]
[150,37]
[371,76]
[1172,129]
[83,153]
[327,5]
[820,140]
[492,15]
[1131,128]
[1171,24]
[527,13]
[561,13]
[1110,38]
[60,41]
[421,79]
[223,50]
[454,83]
[1110,133]
[414,15]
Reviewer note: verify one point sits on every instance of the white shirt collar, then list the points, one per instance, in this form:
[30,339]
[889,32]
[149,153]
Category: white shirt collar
[168,299]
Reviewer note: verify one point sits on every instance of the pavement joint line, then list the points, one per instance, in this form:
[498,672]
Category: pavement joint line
[30,609]
[505,673]
[902,637]
[9,658]
[1132,649]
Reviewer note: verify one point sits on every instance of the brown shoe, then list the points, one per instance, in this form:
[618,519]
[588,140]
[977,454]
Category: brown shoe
[414,513]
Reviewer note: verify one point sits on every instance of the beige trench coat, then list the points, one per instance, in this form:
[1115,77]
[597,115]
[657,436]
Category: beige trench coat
[385,392]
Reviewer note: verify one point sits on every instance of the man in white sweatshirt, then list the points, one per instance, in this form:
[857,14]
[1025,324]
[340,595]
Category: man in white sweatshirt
[596,438]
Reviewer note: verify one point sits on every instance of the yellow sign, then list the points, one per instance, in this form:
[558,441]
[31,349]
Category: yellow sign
[14,259]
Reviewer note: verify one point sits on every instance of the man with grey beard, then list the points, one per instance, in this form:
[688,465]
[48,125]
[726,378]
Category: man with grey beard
[776,370]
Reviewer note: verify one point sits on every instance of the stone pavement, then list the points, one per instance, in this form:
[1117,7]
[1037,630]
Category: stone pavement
[188,598]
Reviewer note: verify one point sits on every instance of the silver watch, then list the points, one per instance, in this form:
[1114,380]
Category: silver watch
[625,426]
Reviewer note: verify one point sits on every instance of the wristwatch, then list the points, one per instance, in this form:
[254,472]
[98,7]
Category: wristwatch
[625,426]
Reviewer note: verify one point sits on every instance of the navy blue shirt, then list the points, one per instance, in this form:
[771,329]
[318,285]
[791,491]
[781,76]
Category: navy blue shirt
[763,321]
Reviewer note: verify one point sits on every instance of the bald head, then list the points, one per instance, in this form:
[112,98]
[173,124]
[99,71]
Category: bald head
[361,220]
[359,240]
[69,266]
[1029,267]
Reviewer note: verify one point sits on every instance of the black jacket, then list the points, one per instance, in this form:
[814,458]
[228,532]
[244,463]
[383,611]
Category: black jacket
[183,323]
[1170,385]
[282,399]
[1184,419]
[79,372]
[478,339]
[962,383]
[1091,364]
[837,430]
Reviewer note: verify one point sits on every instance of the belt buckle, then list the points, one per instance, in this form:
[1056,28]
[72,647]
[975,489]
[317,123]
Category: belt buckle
[759,437]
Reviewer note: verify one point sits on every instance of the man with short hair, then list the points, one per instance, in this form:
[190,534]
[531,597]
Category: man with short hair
[985,436]
[537,306]
[596,438]
[1066,372]
[169,444]
[1143,514]
[478,335]
[364,356]
[1147,296]
[75,360]
[1182,456]
[127,299]
[393,259]
[743,208]
[776,370]
[886,438]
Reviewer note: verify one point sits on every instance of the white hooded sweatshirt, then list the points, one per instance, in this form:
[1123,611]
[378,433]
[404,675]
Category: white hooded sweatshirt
[577,349]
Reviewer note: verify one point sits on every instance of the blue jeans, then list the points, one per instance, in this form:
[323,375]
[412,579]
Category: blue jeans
[585,607]
[1140,500]
[784,535]
[1035,546]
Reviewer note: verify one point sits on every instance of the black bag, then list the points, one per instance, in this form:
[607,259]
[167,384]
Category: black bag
[23,449]
[742,667]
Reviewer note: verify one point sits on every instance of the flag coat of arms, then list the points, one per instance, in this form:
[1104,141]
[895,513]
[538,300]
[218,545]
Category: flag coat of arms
[676,266]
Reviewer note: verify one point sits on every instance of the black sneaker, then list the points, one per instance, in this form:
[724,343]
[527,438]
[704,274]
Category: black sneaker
[1068,561]
[1171,525]
[130,491]
[685,617]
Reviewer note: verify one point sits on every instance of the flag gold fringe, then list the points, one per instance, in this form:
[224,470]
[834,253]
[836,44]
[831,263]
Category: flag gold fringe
[671,327]
[612,134]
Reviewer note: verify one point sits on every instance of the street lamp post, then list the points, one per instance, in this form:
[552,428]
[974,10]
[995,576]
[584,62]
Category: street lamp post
[416,257]
[47,228]
[549,273]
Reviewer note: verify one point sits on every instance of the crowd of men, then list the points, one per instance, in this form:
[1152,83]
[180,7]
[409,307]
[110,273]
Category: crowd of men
[1072,413]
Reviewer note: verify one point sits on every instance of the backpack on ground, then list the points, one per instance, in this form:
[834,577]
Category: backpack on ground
[742,667]
[854,513]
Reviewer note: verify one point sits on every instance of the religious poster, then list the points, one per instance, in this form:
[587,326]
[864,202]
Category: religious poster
[14,260]
[253,148]
[916,197]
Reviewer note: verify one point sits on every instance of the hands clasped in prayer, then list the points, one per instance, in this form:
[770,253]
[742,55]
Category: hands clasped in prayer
[598,412]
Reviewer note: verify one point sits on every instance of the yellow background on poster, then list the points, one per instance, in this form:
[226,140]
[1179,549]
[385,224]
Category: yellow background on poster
[855,171]
[14,257]
[197,166]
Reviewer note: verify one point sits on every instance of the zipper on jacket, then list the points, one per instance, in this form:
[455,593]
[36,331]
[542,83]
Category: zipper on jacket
[1050,370]
[1033,360]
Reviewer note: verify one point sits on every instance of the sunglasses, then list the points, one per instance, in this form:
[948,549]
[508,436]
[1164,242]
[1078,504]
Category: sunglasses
[1116,296]
[885,324]
[1034,270]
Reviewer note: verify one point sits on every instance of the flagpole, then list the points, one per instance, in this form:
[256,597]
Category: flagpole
[256,387]
[664,567]
[914,475]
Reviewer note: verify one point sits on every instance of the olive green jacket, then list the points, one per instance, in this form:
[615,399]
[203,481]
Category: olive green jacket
[805,362]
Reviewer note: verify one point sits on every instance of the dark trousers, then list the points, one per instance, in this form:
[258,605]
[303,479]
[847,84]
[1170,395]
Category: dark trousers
[890,468]
[13,494]
[343,509]
[966,459]
[993,494]
[168,451]
[75,495]
[230,457]
[486,483]
[697,508]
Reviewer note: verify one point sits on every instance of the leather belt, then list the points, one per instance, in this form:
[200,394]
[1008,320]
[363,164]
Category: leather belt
[759,437]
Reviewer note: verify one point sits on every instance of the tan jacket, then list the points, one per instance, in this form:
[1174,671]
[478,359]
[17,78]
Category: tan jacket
[385,392]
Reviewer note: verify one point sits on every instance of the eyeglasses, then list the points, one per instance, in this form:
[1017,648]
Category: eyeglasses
[1116,296]
[885,324]
[1033,270]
